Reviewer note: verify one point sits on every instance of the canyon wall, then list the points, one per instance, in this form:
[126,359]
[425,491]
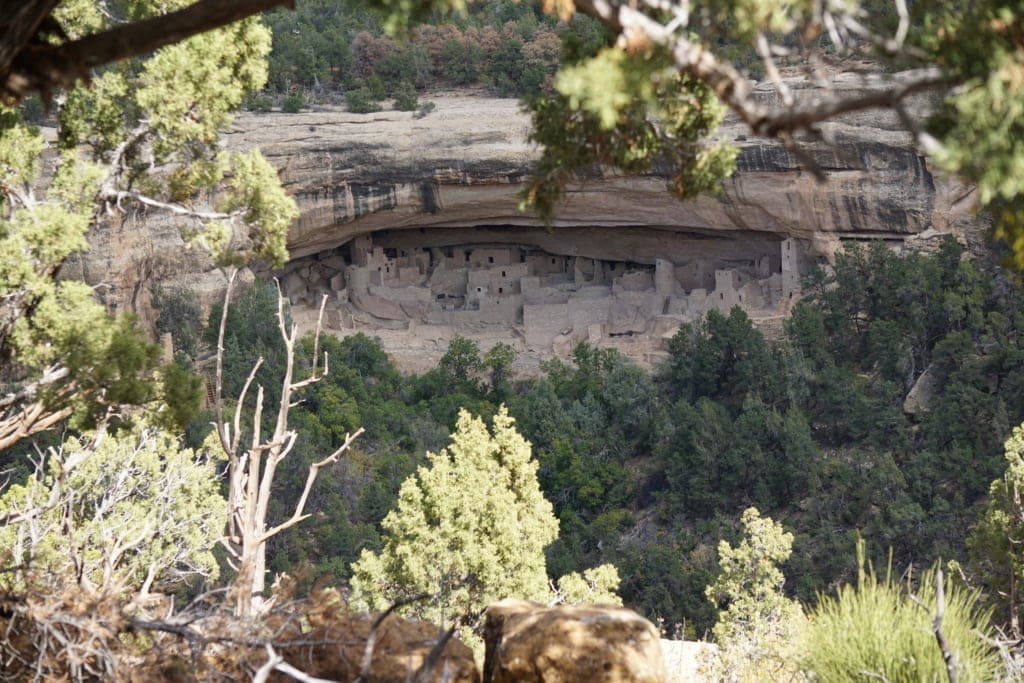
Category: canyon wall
[451,178]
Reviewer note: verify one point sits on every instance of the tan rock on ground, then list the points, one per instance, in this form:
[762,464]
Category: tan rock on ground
[527,641]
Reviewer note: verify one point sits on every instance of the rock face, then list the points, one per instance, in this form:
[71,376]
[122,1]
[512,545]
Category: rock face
[450,180]
[462,165]
[527,642]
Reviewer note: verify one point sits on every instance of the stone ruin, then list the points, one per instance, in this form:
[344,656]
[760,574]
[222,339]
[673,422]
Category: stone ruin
[542,302]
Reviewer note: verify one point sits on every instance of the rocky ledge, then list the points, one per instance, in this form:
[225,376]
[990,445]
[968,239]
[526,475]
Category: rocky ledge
[451,179]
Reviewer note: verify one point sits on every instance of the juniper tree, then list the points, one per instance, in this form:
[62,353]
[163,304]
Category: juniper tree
[757,624]
[996,542]
[469,529]
[143,135]
[123,513]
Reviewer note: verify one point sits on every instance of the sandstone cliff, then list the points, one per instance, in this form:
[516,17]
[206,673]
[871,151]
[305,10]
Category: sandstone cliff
[452,177]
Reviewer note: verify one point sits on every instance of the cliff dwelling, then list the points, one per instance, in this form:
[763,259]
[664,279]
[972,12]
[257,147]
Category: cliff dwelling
[541,291]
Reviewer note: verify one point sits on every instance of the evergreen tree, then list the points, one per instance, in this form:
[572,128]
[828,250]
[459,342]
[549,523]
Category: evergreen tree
[757,626]
[131,512]
[996,542]
[66,354]
[469,529]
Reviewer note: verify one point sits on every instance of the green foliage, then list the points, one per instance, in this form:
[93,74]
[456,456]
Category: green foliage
[181,393]
[460,364]
[460,62]
[602,115]
[398,67]
[268,209]
[179,315]
[595,586]
[757,627]
[249,335]
[362,101]
[995,542]
[293,104]
[469,530]
[883,629]
[133,512]
[406,98]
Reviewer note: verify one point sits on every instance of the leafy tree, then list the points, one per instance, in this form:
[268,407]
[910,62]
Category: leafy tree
[469,530]
[498,359]
[131,512]
[757,624]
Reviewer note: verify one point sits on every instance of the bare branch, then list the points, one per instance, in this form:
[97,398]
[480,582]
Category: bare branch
[219,397]
[314,469]
[118,196]
[736,92]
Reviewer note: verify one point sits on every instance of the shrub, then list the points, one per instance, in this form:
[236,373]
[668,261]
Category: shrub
[396,68]
[361,101]
[376,87]
[460,62]
[406,98]
[293,104]
[880,630]
[259,103]
[506,69]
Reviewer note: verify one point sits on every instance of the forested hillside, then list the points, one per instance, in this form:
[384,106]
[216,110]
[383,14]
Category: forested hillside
[649,471]
[327,49]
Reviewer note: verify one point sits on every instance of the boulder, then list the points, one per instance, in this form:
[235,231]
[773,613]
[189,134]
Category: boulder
[527,641]
[624,317]
[377,306]
[920,396]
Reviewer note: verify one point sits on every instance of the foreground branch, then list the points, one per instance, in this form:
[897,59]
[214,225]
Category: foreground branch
[28,65]
[736,91]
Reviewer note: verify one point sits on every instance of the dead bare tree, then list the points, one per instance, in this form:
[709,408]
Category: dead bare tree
[252,466]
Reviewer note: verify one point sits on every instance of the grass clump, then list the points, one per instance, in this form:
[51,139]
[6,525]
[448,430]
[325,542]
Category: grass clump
[882,629]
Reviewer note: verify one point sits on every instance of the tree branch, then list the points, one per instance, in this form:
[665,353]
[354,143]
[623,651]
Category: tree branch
[314,470]
[735,91]
[38,66]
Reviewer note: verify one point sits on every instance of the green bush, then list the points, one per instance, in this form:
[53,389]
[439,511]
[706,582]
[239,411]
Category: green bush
[293,104]
[396,68]
[376,87]
[259,103]
[460,62]
[880,631]
[361,101]
[406,98]
[505,72]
